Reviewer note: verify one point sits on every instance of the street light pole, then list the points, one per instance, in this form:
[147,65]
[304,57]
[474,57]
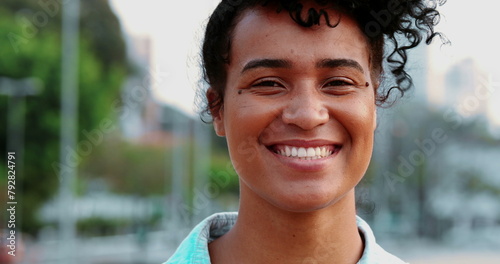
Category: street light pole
[69,125]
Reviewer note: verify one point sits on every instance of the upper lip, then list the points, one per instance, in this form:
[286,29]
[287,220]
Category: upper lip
[303,143]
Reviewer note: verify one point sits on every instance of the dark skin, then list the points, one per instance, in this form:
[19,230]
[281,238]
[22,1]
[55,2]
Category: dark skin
[282,94]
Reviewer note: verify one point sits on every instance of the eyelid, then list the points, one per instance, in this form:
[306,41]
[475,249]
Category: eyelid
[267,79]
[346,80]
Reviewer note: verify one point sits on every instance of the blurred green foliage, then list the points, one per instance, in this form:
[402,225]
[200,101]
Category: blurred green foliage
[31,47]
[145,170]
[128,168]
[223,174]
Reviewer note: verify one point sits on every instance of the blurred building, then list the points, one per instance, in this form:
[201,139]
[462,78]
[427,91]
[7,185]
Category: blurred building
[434,171]
[466,89]
[148,121]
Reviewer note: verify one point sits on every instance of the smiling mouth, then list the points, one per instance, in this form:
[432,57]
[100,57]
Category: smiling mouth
[310,153]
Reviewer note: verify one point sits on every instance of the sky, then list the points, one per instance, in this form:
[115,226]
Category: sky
[469,25]
[471,28]
[176,42]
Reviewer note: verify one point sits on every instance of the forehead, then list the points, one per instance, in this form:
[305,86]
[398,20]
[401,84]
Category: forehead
[262,32]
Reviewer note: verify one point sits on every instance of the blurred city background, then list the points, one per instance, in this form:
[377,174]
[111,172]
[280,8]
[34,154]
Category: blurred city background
[113,164]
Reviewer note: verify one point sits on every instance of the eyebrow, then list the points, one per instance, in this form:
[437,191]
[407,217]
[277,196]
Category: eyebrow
[335,63]
[280,63]
[266,63]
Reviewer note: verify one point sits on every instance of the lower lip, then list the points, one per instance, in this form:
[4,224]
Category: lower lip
[305,165]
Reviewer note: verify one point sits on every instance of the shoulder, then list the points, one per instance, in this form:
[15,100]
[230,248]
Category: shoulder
[374,253]
[194,248]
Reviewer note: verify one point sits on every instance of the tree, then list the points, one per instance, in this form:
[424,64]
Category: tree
[31,47]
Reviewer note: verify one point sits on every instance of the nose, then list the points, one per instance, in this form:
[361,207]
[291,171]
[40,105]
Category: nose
[305,110]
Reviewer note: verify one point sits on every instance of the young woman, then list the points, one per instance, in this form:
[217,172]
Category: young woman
[294,87]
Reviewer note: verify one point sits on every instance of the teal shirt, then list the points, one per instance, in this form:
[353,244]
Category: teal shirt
[194,249]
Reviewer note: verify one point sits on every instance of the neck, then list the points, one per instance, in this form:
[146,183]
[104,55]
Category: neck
[265,234]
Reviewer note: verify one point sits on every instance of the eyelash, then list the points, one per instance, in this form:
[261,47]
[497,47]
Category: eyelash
[267,83]
[264,82]
[340,82]
[336,86]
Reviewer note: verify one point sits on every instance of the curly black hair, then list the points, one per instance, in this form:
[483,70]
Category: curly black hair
[399,24]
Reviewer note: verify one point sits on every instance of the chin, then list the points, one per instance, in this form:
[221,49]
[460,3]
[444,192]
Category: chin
[307,203]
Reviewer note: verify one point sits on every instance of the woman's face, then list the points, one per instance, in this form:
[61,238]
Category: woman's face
[299,114]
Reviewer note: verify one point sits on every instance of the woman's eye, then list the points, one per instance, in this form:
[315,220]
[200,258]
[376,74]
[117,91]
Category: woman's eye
[338,87]
[267,87]
[339,83]
[267,84]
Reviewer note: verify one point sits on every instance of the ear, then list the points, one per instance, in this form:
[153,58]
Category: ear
[216,112]
[375,119]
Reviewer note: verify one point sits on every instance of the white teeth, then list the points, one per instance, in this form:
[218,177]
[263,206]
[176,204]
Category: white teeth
[311,152]
[305,153]
[302,152]
[294,152]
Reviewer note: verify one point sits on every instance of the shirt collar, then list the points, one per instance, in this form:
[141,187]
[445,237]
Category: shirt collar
[194,249]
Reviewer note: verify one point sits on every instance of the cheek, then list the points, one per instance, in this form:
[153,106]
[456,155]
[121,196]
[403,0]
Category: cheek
[358,118]
[249,116]
[245,122]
